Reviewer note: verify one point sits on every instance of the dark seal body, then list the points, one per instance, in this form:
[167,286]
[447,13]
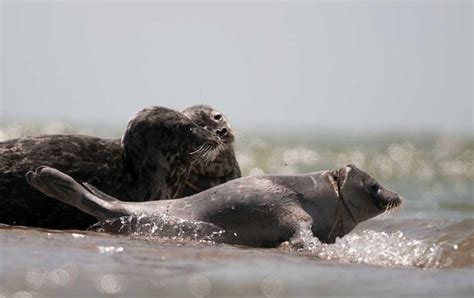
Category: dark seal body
[151,162]
[261,211]
[94,160]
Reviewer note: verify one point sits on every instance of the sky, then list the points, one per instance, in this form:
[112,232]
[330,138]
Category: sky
[369,65]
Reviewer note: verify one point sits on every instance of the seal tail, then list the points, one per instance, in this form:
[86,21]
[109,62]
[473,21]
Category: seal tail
[64,188]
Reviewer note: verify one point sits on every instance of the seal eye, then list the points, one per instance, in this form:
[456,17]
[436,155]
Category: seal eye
[374,188]
[218,117]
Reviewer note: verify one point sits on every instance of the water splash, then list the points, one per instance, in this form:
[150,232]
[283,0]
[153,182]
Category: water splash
[364,246]
[370,247]
[163,227]
[380,249]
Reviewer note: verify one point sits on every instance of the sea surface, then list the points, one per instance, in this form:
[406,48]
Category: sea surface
[424,249]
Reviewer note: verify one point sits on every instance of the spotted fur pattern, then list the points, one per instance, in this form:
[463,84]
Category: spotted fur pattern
[150,162]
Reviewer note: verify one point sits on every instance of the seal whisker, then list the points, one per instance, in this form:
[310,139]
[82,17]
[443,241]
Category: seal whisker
[211,151]
[394,208]
[385,213]
[390,211]
[207,148]
[207,152]
[197,150]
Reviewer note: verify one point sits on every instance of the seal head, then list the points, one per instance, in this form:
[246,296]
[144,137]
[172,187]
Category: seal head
[224,167]
[212,120]
[362,195]
[159,146]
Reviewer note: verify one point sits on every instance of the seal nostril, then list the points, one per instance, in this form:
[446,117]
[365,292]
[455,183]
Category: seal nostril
[221,132]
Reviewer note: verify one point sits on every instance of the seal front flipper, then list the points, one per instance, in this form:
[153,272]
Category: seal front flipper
[301,223]
[64,188]
[301,235]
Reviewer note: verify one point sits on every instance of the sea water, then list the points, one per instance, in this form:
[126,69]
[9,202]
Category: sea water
[426,249]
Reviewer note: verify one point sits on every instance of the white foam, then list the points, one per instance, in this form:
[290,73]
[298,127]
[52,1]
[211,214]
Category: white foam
[378,248]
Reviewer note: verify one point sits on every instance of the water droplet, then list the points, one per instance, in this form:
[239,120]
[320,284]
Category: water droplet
[256,172]
[199,286]
[59,277]
[273,286]
[110,284]
[35,278]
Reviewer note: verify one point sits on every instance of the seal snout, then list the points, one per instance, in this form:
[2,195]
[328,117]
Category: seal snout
[388,199]
[225,134]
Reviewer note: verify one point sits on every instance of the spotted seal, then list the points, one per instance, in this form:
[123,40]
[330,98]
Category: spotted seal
[150,162]
[261,211]
[224,167]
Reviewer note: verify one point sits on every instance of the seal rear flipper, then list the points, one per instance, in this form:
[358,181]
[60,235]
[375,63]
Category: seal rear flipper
[64,188]
[93,190]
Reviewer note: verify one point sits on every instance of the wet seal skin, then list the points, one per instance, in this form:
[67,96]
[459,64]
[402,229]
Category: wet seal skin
[260,211]
[150,162]
[224,167]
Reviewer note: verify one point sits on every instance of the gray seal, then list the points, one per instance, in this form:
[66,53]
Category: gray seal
[150,162]
[261,211]
[224,167]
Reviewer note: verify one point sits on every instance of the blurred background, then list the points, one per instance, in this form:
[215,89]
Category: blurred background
[307,86]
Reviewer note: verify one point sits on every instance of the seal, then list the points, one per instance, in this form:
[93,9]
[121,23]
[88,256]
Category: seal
[224,167]
[260,211]
[150,162]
